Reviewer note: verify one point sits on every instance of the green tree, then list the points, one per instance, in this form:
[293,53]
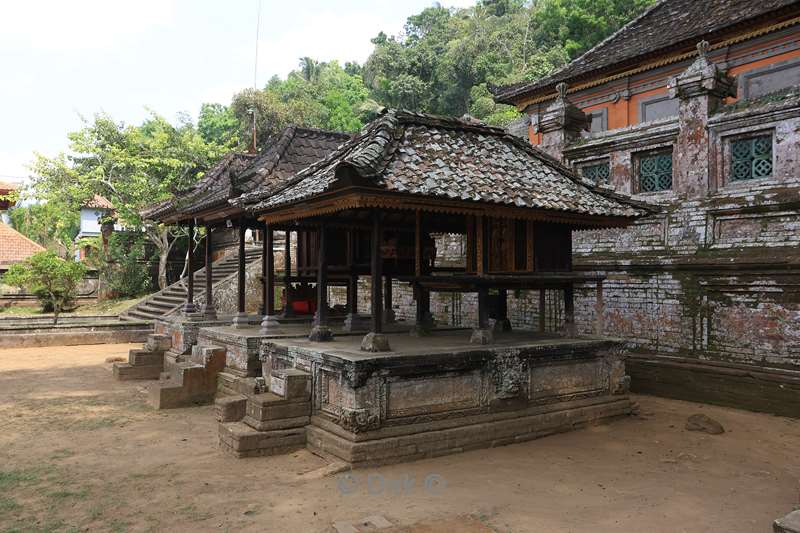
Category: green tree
[319,95]
[53,224]
[133,166]
[446,58]
[52,279]
[577,25]
[218,125]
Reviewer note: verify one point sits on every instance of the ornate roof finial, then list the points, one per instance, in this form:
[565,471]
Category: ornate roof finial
[562,90]
[702,49]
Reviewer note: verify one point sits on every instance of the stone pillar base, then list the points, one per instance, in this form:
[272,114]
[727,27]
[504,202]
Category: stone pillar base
[241,320]
[501,325]
[209,312]
[420,330]
[389,316]
[788,524]
[481,336]
[269,323]
[320,334]
[375,342]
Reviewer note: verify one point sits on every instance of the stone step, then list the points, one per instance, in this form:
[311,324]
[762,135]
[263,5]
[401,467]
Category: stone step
[158,342]
[126,371]
[241,440]
[145,357]
[138,314]
[230,408]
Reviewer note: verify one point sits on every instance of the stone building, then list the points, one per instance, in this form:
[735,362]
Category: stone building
[695,107]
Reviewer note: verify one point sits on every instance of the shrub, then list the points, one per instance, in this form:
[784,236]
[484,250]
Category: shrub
[53,280]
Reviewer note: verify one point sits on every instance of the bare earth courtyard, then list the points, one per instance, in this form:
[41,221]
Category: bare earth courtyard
[80,451]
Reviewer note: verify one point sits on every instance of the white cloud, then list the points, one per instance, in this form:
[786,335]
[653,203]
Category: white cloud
[69,25]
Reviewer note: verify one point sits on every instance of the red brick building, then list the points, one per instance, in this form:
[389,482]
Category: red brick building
[695,107]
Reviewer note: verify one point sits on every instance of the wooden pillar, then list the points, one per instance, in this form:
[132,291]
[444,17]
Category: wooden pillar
[483,308]
[189,307]
[418,243]
[529,244]
[301,258]
[240,285]
[287,273]
[599,320]
[542,309]
[480,244]
[388,312]
[352,284]
[376,272]
[269,271]
[321,332]
[482,334]
[502,310]
[209,311]
[269,320]
[322,277]
[240,320]
[569,311]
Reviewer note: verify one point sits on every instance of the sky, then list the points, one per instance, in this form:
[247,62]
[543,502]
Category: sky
[64,59]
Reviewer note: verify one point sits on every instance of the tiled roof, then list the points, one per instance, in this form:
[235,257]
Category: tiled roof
[15,247]
[99,202]
[448,158]
[238,173]
[6,187]
[669,24]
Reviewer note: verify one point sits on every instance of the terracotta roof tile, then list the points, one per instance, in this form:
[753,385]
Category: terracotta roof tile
[669,24]
[15,247]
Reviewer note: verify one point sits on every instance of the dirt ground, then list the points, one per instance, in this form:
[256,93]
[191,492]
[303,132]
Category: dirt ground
[79,451]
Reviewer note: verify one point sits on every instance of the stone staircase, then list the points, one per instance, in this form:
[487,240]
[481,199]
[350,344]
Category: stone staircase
[191,382]
[144,363]
[170,299]
[268,423]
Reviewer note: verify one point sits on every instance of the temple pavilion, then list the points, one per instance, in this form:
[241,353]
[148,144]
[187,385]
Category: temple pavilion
[373,205]
[346,381]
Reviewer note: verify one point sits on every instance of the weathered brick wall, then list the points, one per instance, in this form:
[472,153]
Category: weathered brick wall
[714,276]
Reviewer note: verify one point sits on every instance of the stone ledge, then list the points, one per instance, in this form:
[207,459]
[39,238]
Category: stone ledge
[241,440]
[463,438]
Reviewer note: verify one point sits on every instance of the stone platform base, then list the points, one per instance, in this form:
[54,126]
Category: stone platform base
[435,439]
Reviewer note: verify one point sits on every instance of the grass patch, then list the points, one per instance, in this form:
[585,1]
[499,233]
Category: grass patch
[118,526]
[95,513]
[194,515]
[62,454]
[93,424]
[7,505]
[69,494]
[10,479]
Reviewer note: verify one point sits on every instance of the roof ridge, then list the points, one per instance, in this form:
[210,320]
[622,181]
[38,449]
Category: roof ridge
[331,133]
[257,195]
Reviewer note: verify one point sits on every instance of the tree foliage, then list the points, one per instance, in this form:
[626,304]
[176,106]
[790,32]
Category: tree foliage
[53,224]
[319,95]
[133,166]
[443,62]
[53,280]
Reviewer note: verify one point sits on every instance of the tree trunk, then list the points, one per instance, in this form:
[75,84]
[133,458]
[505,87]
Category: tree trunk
[163,255]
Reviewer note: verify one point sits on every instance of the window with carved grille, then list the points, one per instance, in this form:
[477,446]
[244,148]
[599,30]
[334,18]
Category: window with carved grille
[751,158]
[655,172]
[597,173]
